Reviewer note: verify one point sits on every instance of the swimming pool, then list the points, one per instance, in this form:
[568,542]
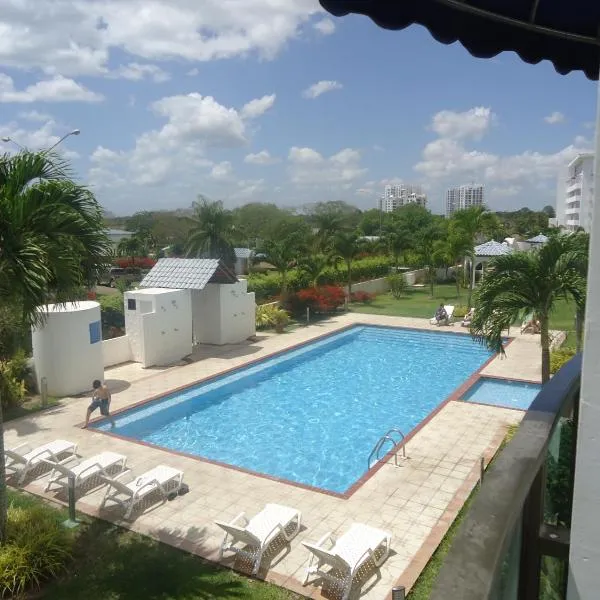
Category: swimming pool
[503,392]
[311,415]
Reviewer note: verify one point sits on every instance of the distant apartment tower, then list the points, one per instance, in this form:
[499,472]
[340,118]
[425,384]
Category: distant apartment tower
[462,197]
[397,196]
[575,194]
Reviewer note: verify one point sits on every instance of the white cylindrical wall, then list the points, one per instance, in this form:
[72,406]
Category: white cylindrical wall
[67,348]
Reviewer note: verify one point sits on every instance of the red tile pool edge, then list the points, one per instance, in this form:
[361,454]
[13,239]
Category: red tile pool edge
[359,482]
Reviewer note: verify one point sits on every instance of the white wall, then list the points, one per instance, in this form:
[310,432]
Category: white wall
[373,286]
[584,558]
[116,351]
[62,348]
[160,327]
[223,313]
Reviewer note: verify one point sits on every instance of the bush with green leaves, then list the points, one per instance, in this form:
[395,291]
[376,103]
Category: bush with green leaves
[265,315]
[460,311]
[398,284]
[13,373]
[559,357]
[112,313]
[37,548]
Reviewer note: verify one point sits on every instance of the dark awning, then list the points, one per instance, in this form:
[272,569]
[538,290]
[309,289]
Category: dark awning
[565,32]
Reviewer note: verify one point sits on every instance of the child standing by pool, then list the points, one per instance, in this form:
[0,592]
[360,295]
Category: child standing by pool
[100,399]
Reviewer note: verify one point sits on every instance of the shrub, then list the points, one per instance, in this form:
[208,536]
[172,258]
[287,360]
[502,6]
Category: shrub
[363,297]
[280,319]
[398,284]
[460,311]
[323,299]
[112,314]
[559,357]
[37,547]
[13,373]
[14,332]
[265,316]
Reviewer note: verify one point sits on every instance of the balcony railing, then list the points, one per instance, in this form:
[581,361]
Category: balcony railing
[515,537]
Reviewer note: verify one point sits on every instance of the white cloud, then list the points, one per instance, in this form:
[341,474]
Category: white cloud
[136,72]
[248,188]
[321,87]
[193,72]
[260,158]
[325,26]
[470,124]
[257,107]
[309,167]
[554,118]
[57,89]
[35,116]
[506,191]
[222,171]
[77,37]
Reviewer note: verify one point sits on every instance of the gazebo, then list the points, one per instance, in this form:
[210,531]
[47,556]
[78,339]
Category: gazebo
[484,253]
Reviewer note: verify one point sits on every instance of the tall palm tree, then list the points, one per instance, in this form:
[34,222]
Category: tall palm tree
[129,247]
[282,254]
[398,240]
[52,242]
[428,250]
[211,235]
[529,282]
[450,251]
[346,246]
[315,266]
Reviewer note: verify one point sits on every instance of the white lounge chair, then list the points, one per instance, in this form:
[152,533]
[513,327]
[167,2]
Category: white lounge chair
[129,493]
[82,470]
[23,458]
[346,555]
[449,312]
[257,533]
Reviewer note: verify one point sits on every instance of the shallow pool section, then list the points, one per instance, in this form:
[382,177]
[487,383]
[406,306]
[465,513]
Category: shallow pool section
[312,415]
[503,392]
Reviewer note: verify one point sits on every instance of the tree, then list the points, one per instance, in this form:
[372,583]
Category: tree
[210,237]
[314,266]
[346,246]
[428,250]
[549,210]
[529,282]
[129,247]
[53,244]
[282,254]
[398,239]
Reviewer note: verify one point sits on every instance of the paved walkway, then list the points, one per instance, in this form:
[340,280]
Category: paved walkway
[416,501]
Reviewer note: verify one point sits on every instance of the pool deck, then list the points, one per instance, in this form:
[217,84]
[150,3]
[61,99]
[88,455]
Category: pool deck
[416,501]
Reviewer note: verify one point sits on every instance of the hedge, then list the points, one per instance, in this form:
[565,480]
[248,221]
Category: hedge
[268,285]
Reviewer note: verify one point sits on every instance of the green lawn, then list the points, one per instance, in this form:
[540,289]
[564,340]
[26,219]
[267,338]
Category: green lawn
[115,564]
[418,303]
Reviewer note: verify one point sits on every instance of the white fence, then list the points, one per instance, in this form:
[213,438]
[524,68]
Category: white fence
[116,351]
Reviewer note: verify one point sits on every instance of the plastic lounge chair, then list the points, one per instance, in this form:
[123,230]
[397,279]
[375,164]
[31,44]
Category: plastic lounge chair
[449,318]
[23,458]
[82,470]
[130,493]
[467,322]
[346,555]
[259,531]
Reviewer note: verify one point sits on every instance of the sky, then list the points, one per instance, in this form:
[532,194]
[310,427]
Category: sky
[276,101]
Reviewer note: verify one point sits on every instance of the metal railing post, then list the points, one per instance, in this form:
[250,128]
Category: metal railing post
[72,520]
[398,593]
[307,315]
[44,391]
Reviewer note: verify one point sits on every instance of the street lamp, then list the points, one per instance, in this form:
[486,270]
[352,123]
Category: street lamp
[6,139]
[64,137]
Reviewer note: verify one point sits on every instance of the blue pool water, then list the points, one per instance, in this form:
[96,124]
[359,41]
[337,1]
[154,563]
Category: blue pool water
[502,392]
[313,414]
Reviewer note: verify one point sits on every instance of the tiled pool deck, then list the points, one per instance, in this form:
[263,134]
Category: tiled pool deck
[416,501]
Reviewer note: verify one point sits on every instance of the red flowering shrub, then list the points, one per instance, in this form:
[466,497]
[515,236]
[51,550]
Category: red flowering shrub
[323,299]
[141,262]
[364,297]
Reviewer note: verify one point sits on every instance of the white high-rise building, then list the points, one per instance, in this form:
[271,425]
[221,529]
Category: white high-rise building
[575,194]
[462,197]
[397,196]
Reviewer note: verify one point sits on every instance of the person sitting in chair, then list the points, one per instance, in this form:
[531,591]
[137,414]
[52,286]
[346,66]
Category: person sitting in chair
[441,316]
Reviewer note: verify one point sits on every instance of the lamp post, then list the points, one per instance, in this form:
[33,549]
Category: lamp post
[6,139]
[64,137]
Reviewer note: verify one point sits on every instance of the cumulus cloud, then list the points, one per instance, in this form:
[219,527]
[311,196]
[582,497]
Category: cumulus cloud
[325,26]
[257,107]
[260,158]
[136,72]
[76,37]
[554,118]
[470,124]
[57,89]
[43,136]
[309,167]
[222,171]
[321,87]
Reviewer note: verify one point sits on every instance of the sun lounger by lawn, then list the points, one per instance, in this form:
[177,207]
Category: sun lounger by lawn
[449,319]
[23,458]
[83,470]
[257,533]
[347,554]
[130,493]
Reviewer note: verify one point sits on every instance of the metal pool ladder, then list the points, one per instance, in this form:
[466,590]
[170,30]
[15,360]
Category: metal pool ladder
[387,437]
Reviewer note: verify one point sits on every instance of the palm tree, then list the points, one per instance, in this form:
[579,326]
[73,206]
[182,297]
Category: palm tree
[346,246]
[327,223]
[428,250]
[129,247]
[210,237]
[529,282]
[450,251]
[398,240]
[282,254]
[53,243]
[315,266]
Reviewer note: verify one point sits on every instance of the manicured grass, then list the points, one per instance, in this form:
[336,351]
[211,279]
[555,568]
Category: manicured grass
[115,564]
[424,584]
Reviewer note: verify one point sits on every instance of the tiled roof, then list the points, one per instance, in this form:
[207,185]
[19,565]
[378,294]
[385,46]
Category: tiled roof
[538,239]
[187,273]
[492,248]
[242,252]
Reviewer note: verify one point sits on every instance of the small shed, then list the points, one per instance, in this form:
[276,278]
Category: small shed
[485,252]
[242,260]
[223,312]
[537,241]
